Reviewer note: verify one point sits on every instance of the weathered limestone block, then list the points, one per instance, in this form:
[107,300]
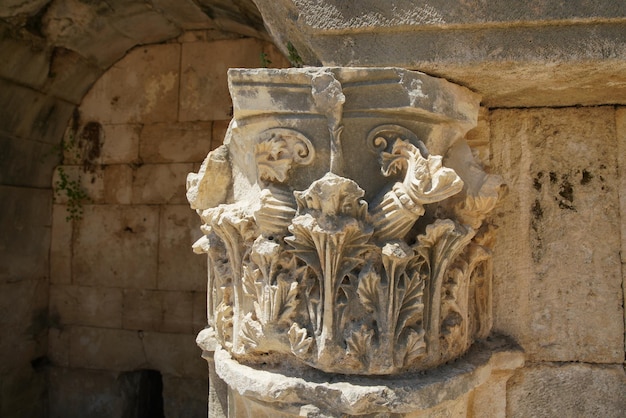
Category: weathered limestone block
[160,183]
[120,143]
[174,142]
[179,268]
[86,305]
[204,88]
[568,390]
[106,349]
[33,115]
[441,392]
[540,53]
[557,270]
[149,95]
[156,310]
[108,242]
[620,122]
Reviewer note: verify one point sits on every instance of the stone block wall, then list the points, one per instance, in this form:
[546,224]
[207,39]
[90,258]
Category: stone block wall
[558,260]
[126,291]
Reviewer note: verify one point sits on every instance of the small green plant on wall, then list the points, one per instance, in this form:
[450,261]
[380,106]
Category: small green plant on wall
[265,60]
[84,149]
[74,192]
[294,57]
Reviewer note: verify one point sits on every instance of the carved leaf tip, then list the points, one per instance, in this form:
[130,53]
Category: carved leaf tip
[300,342]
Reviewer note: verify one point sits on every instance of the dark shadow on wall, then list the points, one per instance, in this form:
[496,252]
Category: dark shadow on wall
[143,394]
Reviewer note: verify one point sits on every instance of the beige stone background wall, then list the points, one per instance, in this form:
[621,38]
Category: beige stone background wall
[558,275]
[126,291]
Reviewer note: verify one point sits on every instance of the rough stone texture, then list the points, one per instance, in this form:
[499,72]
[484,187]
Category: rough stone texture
[120,143]
[174,354]
[154,310]
[23,323]
[106,349]
[568,390]
[204,85]
[109,241]
[620,119]
[489,399]
[179,268]
[557,271]
[85,305]
[160,183]
[175,143]
[109,101]
[442,391]
[33,115]
[76,393]
[29,58]
[285,189]
[25,162]
[500,51]
[51,53]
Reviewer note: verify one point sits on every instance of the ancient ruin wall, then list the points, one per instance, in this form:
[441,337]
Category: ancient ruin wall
[126,292]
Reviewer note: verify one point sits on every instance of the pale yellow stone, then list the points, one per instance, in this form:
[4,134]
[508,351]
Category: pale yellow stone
[160,183]
[567,390]
[557,270]
[620,122]
[120,143]
[106,349]
[489,399]
[118,180]
[86,305]
[116,246]
[179,267]
[204,87]
[174,354]
[155,310]
[620,118]
[140,88]
[175,142]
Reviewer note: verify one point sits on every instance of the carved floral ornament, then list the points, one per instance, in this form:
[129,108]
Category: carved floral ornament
[321,275]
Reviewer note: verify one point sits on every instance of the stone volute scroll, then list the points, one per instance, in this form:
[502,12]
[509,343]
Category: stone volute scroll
[343,220]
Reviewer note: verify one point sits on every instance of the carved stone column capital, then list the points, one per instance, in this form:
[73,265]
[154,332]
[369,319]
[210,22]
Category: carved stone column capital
[343,221]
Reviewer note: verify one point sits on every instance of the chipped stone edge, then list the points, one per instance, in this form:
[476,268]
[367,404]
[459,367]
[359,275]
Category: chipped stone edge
[358,394]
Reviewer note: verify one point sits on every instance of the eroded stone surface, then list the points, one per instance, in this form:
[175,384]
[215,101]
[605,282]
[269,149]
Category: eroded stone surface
[582,390]
[294,391]
[499,51]
[557,263]
[108,100]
